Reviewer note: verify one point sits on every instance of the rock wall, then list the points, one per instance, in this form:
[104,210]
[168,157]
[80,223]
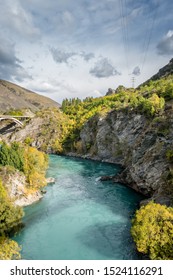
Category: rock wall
[136,142]
[15,183]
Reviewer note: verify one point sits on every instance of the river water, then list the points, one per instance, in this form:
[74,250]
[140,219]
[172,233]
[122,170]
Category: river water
[80,218]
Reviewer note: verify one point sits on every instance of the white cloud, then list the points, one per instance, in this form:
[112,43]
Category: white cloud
[67,18]
[10,65]
[87,56]
[136,71]
[165,46]
[60,56]
[103,69]
[83,33]
[17,20]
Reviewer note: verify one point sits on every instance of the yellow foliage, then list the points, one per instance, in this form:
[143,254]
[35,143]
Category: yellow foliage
[9,249]
[10,215]
[152,231]
[157,102]
[35,165]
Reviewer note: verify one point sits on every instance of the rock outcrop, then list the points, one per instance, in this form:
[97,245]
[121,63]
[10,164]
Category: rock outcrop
[16,185]
[137,143]
[42,131]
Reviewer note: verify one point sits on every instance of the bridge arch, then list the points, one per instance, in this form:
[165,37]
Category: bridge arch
[12,119]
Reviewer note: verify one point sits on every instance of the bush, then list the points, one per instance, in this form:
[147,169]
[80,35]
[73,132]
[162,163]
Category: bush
[169,155]
[35,165]
[12,155]
[152,231]
[29,160]
[9,249]
[10,215]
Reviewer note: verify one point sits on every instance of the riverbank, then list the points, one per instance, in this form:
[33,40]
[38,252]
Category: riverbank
[83,217]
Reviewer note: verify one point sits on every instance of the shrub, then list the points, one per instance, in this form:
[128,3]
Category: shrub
[12,155]
[152,231]
[9,249]
[29,160]
[35,165]
[10,215]
[169,155]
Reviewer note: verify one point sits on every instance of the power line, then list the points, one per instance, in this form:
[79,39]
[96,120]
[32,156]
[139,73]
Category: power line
[124,32]
[144,42]
[149,39]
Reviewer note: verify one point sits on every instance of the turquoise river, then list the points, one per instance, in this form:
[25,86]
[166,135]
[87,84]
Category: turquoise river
[80,217]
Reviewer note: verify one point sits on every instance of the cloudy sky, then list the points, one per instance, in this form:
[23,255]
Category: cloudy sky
[65,48]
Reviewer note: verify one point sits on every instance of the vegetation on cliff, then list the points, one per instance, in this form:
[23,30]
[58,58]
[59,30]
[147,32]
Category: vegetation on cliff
[10,218]
[28,160]
[153,224]
[149,100]
[32,163]
[59,131]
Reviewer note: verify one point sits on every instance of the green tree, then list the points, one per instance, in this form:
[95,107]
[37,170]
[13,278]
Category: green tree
[12,155]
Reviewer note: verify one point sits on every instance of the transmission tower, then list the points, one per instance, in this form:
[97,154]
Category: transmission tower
[133,82]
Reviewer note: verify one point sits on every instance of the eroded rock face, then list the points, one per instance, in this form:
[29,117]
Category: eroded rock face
[15,183]
[132,140]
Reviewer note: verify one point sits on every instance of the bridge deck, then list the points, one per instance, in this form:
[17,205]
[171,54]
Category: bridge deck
[16,117]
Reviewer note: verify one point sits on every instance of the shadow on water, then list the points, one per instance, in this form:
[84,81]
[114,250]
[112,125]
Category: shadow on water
[110,240]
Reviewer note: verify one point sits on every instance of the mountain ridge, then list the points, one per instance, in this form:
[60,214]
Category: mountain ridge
[13,96]
[162,73]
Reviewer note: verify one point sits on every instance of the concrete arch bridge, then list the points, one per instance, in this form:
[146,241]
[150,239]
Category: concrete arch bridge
[14,119]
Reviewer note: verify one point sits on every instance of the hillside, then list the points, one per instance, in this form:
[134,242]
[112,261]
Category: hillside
[129,127]
[133,128]
[15,97]
[162,73]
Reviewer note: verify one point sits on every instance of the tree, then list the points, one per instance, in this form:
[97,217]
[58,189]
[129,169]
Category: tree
[12,155]
[35,164]
[10,215]
[152,231]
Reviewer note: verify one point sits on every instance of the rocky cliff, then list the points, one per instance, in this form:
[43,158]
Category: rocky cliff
[136,142]
[137,133]
[16,186]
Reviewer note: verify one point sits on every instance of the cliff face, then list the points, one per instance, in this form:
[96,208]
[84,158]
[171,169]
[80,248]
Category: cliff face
[137,143]
[42,131]
[16,185]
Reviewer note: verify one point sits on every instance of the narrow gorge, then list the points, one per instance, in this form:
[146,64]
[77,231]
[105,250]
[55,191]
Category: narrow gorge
[130,129]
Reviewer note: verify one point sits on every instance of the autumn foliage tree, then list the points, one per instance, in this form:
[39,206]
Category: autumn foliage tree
[10,217]
[152,231]
[35,164]
[26,159]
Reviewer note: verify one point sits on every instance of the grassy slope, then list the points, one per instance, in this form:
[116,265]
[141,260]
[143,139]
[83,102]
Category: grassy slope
[15,97]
